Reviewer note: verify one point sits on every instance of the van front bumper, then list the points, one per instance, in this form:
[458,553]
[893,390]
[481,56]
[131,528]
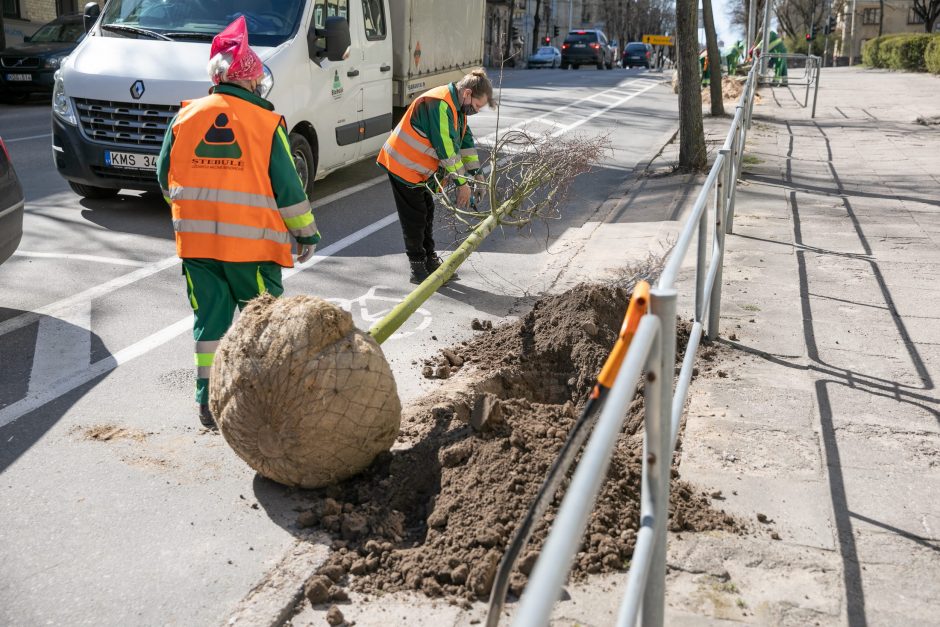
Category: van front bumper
[82,161]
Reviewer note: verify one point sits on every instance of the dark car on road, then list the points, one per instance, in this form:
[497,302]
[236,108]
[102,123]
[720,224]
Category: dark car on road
[637,53]
[11,206]
[586,47]
[29,67]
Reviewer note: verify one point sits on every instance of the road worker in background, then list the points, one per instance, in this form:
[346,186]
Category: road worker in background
[226,170]
[433,135]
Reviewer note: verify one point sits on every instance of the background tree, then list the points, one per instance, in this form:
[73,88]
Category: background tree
[629,20]
[691,133]
[3,36]
[714,59]
[536,20]
[929,11]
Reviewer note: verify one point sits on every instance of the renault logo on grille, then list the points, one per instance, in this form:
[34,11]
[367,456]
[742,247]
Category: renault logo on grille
[137,90]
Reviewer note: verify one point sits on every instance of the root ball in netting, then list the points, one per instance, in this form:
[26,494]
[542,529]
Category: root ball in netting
[302,395]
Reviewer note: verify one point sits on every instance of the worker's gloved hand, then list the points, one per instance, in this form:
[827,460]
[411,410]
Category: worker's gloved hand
[305,252]
[479,186]
[463,196]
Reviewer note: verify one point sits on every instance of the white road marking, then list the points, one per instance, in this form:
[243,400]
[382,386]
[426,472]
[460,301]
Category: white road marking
[369,317]
[70,257]
[602,111]
[63,346]
[60,309]
[23,139]
[35,399]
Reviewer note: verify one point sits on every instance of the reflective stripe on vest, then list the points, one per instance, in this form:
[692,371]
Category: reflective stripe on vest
[407,153]
[219,183]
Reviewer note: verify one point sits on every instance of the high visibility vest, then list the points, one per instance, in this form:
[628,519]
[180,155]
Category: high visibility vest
[407,153]
[219,183]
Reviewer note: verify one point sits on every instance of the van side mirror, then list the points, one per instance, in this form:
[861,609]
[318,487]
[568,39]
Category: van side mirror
[337,39]
[90,15]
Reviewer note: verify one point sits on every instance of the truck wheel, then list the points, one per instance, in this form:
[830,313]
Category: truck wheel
[304,161]
[90,191]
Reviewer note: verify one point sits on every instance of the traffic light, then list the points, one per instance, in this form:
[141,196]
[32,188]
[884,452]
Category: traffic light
[830,26]
[514,33]
[813,32]
[808,37]
[547,40]
[555,31]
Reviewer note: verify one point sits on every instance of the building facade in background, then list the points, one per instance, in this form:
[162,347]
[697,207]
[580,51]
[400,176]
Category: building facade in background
[899,17]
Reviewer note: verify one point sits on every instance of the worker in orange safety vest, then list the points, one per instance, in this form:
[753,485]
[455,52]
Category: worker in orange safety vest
[433,136]
[237,199]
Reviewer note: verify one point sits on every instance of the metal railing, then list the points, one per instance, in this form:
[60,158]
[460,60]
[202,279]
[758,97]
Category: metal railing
[652,349]
[809,77]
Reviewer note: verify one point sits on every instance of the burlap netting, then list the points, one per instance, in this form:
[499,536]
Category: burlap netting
[301,394]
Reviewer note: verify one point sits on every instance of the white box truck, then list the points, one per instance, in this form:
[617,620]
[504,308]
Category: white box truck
[116,93]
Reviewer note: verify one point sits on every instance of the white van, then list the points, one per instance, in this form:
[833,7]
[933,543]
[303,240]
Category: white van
[116,93]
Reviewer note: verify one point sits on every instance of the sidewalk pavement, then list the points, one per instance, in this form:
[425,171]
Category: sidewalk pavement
[822,415]
[827,417]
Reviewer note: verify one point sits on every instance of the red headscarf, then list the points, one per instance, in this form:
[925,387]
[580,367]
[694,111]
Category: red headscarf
[246,65]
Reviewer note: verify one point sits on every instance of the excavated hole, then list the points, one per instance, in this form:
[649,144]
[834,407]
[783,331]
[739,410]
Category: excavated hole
[436,513]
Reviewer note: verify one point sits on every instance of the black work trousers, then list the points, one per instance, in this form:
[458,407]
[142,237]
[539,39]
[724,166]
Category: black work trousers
[416,214]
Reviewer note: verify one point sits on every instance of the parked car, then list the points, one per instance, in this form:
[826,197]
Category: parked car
[29,67]
[11,206]
[637,53]
[546,56]
[586,47]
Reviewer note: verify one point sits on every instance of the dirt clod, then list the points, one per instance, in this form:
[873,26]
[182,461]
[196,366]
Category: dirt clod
[334,616]
[317,589]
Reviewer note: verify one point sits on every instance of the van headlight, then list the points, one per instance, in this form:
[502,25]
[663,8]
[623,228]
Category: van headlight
[267,83]
[61,103]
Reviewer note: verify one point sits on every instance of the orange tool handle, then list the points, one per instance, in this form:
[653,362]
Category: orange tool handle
[639,304]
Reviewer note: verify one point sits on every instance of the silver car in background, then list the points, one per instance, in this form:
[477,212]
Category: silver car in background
[546,56]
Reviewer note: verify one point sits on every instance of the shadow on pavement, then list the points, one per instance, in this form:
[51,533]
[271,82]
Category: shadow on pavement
[33,398]
[837,375]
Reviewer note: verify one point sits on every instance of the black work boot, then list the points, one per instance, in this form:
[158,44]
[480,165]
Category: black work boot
[419,271]
[434,262]
[205,417]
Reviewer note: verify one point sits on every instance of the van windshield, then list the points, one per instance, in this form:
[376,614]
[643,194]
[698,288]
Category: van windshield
[270,22]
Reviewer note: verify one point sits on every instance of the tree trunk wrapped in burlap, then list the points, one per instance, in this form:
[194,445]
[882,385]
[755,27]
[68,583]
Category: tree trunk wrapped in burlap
[301,394]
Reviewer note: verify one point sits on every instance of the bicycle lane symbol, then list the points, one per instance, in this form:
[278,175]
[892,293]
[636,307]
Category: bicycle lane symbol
[371,307]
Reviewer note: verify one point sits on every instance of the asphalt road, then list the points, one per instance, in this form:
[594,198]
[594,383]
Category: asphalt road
[115,507]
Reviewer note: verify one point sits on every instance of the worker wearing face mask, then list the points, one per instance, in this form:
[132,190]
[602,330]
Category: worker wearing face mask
[433,136]
[237,201]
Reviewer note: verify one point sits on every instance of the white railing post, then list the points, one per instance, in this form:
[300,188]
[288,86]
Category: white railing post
[663,306]
[701,266]
[714,307]
[737,147]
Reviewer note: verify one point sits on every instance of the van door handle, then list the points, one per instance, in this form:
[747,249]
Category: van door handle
[385,68]
[352,73]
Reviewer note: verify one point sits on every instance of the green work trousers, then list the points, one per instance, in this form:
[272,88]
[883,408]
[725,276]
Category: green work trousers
[214,289]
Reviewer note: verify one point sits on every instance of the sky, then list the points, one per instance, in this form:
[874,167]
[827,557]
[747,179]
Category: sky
[723,25]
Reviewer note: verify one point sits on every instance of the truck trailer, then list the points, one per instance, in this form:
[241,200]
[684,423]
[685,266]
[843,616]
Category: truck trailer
[337,70]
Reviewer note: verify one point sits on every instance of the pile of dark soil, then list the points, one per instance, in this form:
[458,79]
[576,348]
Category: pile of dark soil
[436,514]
